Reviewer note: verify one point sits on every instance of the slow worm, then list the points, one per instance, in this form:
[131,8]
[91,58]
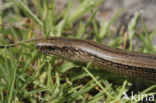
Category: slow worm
[132,64]
[122,62]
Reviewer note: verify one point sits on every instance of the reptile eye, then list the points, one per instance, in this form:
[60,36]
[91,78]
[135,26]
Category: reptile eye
[37,47]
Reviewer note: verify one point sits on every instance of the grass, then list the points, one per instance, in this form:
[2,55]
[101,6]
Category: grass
[29,77]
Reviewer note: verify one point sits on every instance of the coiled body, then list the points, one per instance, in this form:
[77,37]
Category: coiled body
[133,64]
